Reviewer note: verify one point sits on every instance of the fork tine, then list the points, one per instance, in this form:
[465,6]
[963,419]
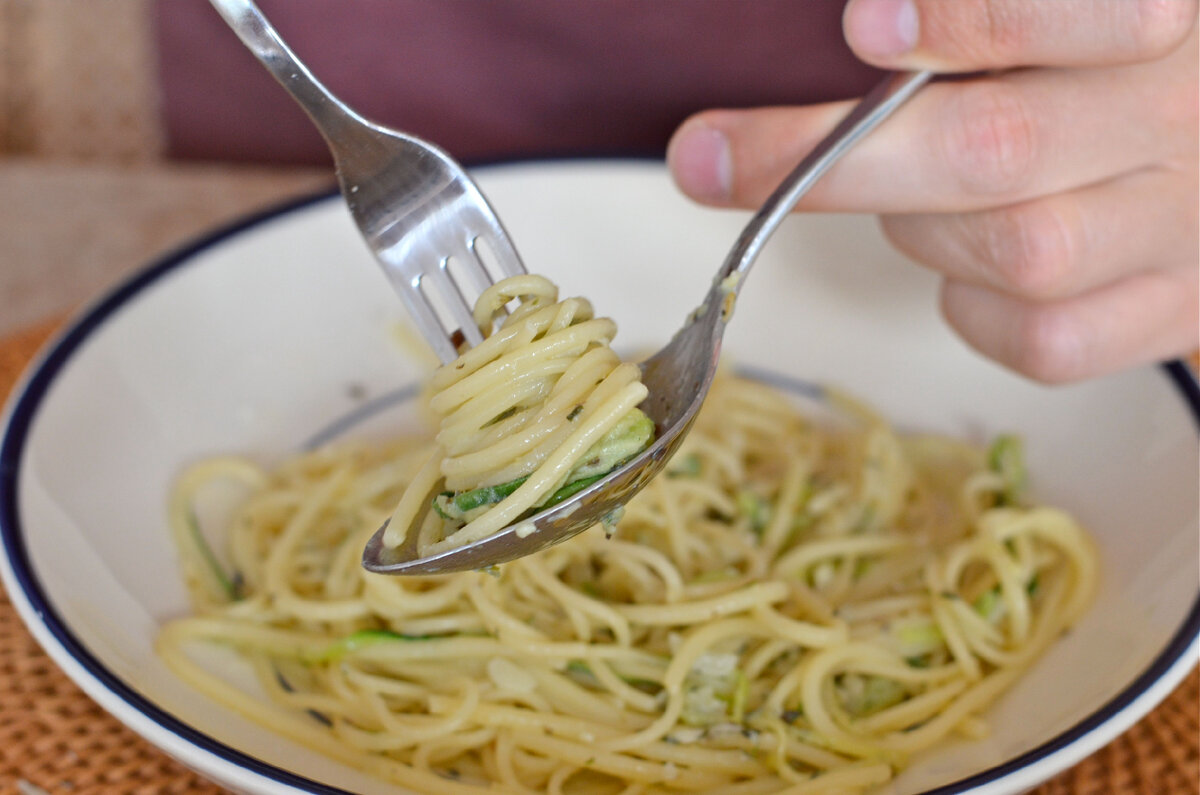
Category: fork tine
[472,267]
[502,250]
[455,302]
[489,231]
[426,320]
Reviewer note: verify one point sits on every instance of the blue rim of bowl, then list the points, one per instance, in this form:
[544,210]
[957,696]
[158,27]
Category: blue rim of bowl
[37,382]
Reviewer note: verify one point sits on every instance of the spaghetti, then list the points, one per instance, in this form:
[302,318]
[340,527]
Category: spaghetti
[794,606]
[539,410]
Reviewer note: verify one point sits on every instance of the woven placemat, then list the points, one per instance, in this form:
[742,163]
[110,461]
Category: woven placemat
[55,738]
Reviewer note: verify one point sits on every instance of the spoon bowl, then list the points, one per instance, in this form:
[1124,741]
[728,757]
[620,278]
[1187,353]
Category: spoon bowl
[678,376]
[670,405]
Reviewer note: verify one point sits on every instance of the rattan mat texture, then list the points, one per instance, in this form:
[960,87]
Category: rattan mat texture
[54,738]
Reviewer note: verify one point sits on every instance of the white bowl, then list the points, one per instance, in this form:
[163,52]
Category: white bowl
[267,336]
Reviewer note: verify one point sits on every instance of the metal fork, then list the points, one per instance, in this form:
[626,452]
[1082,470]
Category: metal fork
[416,207]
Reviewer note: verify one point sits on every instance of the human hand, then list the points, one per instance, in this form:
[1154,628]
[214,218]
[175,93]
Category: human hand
[1057,198]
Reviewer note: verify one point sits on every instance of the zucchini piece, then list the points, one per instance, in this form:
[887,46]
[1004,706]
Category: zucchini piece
[230,586]
[356,642]
[865,694]
[1006,457]
[628,437]
[686,466]
[455,505]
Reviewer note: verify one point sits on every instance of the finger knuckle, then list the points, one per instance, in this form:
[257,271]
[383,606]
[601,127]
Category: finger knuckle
[1031,249]
[982,30]
[1048,345]
[1006,32]
[990,139]
[1159,26]
[903,232]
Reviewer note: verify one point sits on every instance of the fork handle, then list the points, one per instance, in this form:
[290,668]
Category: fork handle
[331,116]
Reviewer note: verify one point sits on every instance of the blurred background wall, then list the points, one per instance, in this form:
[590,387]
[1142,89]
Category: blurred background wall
[128,127]
[77,80]
[85,194]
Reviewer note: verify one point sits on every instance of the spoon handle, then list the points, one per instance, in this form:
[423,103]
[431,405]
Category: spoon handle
[876,106]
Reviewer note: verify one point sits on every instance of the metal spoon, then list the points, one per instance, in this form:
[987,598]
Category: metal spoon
[678,376]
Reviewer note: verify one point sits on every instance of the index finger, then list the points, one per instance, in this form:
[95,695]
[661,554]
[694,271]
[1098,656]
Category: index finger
[973,35]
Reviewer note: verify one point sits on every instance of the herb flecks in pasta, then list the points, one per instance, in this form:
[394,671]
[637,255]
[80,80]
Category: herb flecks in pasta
[871,597]
[539,410]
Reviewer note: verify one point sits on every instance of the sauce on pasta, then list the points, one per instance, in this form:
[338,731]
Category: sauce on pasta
[540,409]
[793,606]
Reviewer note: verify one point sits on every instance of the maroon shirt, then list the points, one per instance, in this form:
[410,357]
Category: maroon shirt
[494,79]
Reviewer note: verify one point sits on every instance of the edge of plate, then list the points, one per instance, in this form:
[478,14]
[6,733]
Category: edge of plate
[36,609]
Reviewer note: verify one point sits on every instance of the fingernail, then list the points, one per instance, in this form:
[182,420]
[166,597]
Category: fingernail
[882,28]
[700,161]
